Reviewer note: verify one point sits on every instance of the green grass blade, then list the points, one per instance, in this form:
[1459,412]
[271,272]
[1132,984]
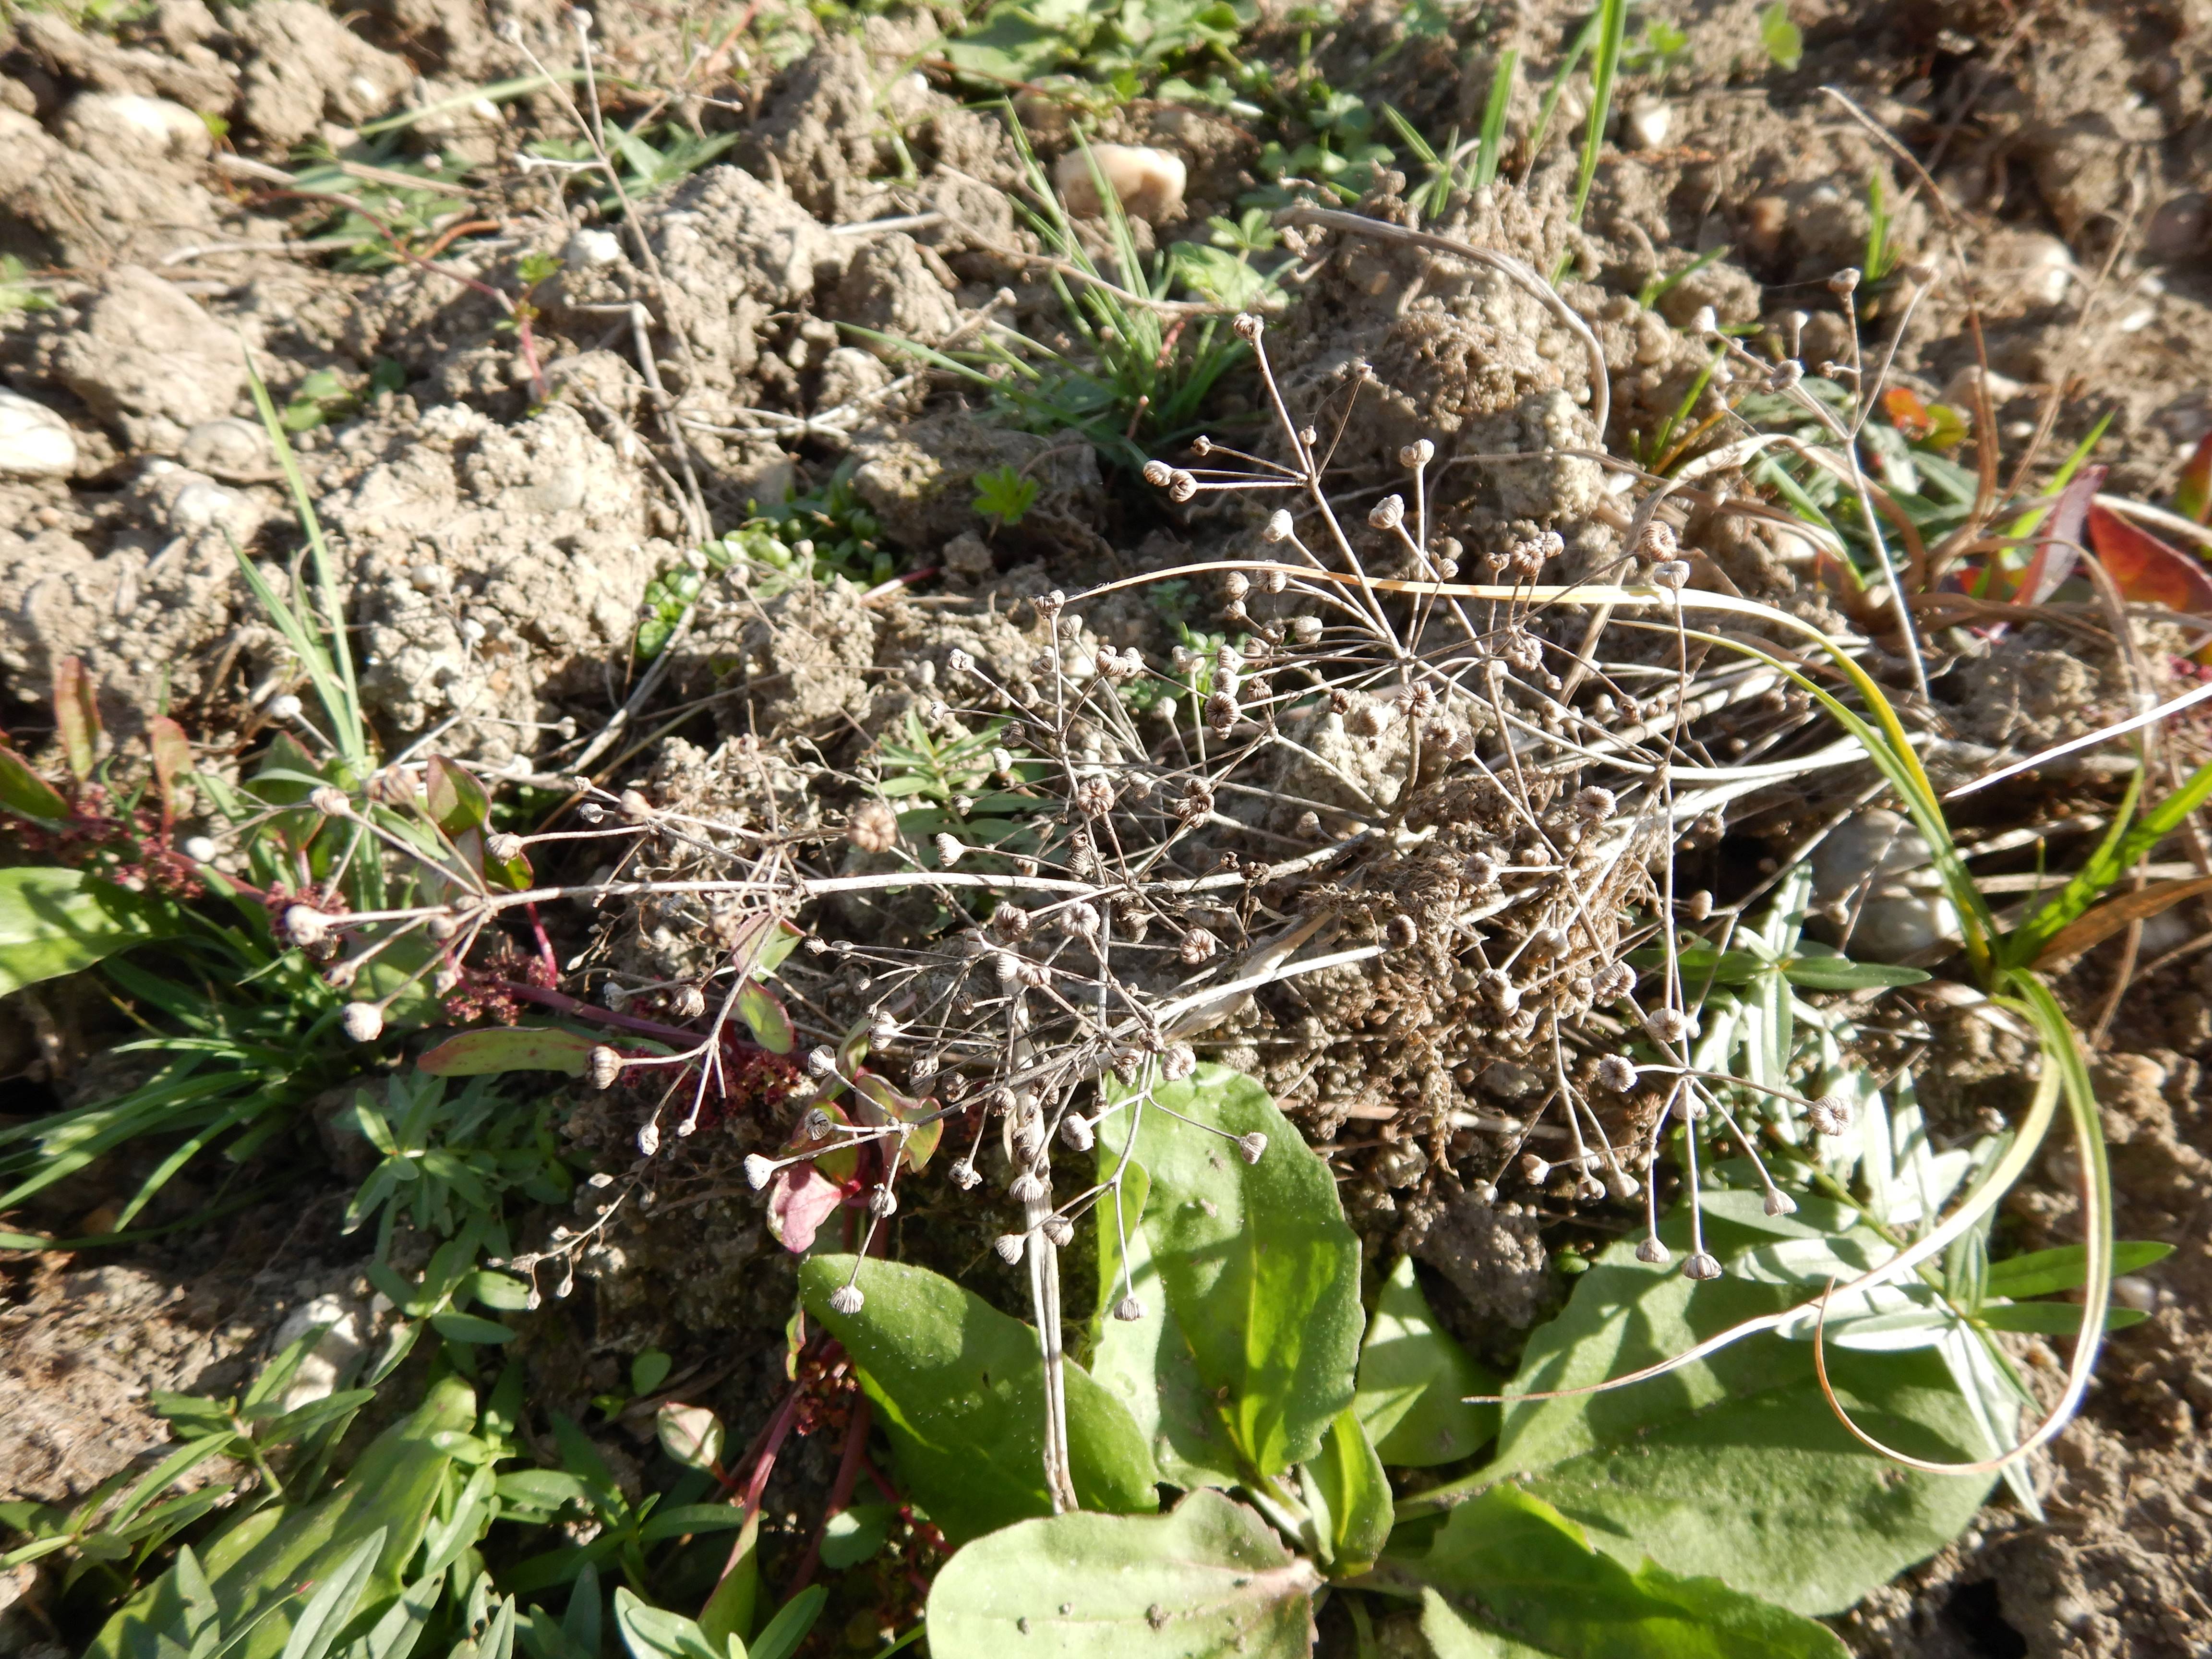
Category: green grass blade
[1491,150]
[1612,26]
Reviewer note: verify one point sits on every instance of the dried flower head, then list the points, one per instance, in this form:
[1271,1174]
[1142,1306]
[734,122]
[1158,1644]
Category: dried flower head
[846,1299]
[1616,1072]
[1703,1265]
[1279,526]
[1252,1147]
[1129,1310]
[873,827]
[759,1170]
[1830,1115]
[1387,513]
[1199,946]
[603,1067]
[363,1022]
[1010,1247]
[1652,1254]
[1417,453]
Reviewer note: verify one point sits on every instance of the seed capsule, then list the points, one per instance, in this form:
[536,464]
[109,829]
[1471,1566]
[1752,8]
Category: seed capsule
[846,1299]
[1701,1266]
[1252,1147]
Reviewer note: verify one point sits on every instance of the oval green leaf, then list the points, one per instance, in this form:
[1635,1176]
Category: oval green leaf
[1414,1380]
[959,1388]
[1257,1264]
[1208,1578]
[57,921]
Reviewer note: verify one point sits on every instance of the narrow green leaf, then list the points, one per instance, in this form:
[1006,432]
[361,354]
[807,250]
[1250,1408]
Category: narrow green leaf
[56,921]
[26,795]
[959,1388]
[2051,1318]
[76,716]
[2040,1273]
[780,1637]
[1510,1575]
[1257,1263]
[729,1610]
[1841,974]
[250,1569]
[1350,1496]
[1210,1577]
[510,1048]
[651,1632]
[467,1328]
[1414,1380]
[333,1601]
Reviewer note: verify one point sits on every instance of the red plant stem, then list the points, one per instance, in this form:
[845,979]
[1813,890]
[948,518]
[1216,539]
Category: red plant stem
[544,944]
[840,1490]
[762,1454]
[563,1003]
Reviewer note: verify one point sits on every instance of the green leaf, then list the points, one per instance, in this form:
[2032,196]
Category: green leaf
[729,1610]
[2039,1272]
[682,1518]
[1736,1467]
[2051,1318]
[252,1570]
[57,921]
[764,1015]
[456,802]
[1509,1575]
[690,1435]
[1146,1363]
[76,716]
[335,1598]
[1413,1381]
[1256,1261]
[26,795]
[1838,973]
[1784,40]
[649,1370]
[651,1632]
[960,1388]
[780,1637]
[509,1048]
[852,1535]
[1210,1577]
[1350,1496]
[467,1328]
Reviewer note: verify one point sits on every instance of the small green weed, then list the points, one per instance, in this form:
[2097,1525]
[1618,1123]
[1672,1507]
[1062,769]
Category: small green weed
[1784,40]
[19,293]
[1004,496]
[448,1162]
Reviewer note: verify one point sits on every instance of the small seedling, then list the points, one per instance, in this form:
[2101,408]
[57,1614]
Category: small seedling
[1004,496]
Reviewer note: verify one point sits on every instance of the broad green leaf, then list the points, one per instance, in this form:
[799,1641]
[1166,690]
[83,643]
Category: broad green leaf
[1508,1575]
[1736,1467]
[1210,1577]
[1256,1261]
[509,1048]
[960,1389]
[1784,40]
[1350,1496]
[26,795]
[2039,1272]
[456,801]
[57,921]
[1414,1379]
[764,1015]
[1145,1362]
[251,1569]
[690,1435]
[852,1535]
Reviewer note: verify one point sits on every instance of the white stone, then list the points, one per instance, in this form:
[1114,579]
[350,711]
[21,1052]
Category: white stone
[1148,182]
[1649,120]
[325,1362]
[35,442]
[588,249]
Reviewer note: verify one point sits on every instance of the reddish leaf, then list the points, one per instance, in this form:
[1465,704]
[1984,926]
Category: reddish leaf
[1907,413]
[26,795]
[839,1159]
[771,1026]
[2192,496]
[173,759]
[800,1200]
[509,1048]
[76,716]
[759,941]
[2145,569]
[456,800]
[2059,541]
